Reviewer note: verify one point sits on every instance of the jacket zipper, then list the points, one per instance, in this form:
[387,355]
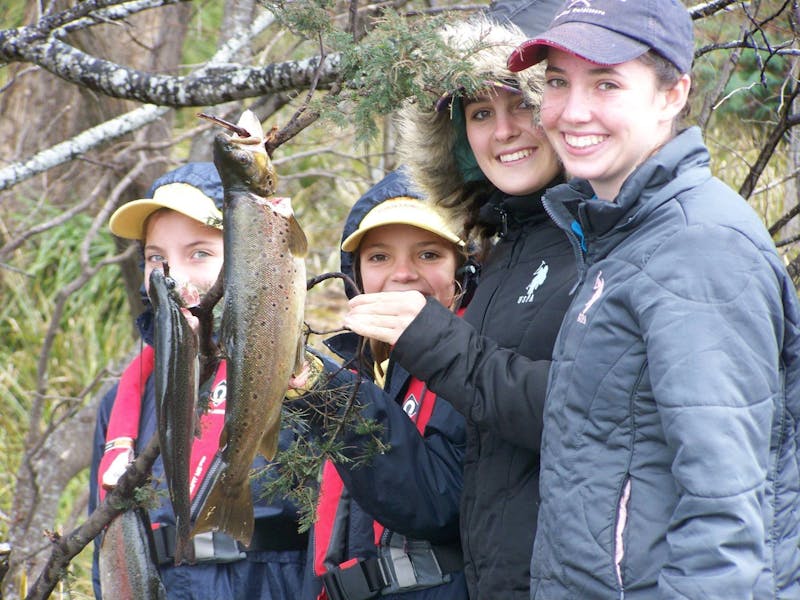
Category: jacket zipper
[565,224]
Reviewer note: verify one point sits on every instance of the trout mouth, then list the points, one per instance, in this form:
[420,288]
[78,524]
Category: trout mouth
[190,294]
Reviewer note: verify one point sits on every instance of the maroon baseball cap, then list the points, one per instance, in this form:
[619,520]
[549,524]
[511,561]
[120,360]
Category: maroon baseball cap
[610,32]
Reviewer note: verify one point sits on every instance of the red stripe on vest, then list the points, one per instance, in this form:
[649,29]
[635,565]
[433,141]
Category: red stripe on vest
[126,414]
[123,422]
[331,487]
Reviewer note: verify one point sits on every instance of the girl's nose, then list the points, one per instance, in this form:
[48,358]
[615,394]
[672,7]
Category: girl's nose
[575,108]
[505,127]
[404,271]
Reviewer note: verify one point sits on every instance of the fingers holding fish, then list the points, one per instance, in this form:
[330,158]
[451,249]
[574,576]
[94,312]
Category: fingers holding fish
[194,322]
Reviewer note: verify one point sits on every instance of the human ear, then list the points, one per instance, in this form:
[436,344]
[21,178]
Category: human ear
[676,97]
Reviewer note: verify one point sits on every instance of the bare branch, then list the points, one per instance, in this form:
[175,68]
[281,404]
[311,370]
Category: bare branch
[706,9]
[119,126]
[83,142]
[88,13]
[117,501]
[785,122]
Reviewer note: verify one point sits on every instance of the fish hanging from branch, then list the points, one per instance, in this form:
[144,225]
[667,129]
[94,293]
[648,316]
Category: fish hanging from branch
[175,374]
[261,333]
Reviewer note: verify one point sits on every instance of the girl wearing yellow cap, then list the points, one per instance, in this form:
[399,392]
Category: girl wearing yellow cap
[388,527]
[180,222]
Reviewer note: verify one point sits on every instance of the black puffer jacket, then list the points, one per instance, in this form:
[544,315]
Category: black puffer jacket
[493,364]
[492,367]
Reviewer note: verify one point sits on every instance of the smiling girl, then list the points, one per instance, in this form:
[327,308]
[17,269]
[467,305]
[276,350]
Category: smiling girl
[388,526]
[483,157]
[669,452]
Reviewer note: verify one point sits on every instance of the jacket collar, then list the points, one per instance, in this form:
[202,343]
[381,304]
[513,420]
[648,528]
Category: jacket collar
[675,167]
[512,212]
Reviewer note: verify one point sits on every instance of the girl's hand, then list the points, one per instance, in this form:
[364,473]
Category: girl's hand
[383,316]
[193,321]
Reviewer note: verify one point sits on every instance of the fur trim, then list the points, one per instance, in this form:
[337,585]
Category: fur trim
[427,137]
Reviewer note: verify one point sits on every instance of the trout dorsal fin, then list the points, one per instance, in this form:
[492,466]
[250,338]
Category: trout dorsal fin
[298,243]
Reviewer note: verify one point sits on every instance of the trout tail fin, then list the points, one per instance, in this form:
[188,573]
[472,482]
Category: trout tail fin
[184,548]
[228,508]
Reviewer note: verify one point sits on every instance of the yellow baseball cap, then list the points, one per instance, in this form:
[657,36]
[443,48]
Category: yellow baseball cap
[402,211]
[185,190]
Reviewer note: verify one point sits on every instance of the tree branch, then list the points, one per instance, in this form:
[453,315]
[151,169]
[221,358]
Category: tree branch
[117,502]
[206,87]
[785,122]
[119,126]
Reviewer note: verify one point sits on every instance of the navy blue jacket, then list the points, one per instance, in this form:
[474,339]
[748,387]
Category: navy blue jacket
[414,487]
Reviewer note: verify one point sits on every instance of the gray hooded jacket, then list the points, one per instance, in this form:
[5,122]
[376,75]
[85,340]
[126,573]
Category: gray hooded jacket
[670,447]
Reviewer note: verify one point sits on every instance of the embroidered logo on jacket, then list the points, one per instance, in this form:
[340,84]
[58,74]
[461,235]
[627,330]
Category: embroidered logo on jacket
[411,406]
[599,284]
[539,275]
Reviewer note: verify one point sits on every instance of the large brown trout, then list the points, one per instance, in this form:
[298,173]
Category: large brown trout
[126,564]
[261,330]
[175,373]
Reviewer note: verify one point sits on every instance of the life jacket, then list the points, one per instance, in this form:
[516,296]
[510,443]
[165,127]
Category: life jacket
[123,424]
[333,505]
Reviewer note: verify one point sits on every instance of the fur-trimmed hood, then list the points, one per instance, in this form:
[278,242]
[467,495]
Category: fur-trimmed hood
[429,140]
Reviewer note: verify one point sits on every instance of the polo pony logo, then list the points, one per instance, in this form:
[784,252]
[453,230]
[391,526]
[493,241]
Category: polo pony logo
[599,284]
[539,276]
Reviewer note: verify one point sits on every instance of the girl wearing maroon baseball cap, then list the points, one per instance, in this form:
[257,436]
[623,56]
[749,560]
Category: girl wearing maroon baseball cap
[669,454]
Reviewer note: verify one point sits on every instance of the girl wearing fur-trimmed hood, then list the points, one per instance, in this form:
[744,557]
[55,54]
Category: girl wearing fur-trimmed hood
[482,157]
[434,141]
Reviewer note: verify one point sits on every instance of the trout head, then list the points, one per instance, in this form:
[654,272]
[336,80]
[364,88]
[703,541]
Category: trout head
[162,287]
[242,161]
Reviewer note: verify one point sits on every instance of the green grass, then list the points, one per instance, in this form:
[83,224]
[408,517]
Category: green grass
[94,329]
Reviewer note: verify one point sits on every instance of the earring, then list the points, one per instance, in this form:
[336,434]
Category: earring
[458,295]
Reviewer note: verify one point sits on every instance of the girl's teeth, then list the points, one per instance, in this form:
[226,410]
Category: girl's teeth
[504,158]
[583,141]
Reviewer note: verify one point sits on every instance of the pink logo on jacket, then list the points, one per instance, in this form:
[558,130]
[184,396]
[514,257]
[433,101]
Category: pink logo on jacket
[599,284]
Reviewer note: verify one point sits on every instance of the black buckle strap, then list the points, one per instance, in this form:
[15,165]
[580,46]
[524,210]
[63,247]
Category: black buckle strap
[164,545]
[221,548]
[277,534]
[420,565]
[362,580]
[208,547]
